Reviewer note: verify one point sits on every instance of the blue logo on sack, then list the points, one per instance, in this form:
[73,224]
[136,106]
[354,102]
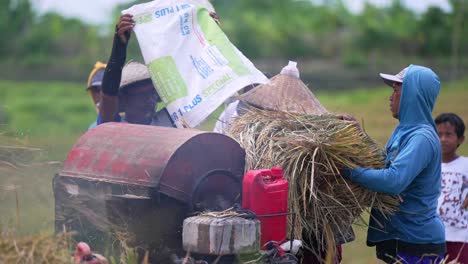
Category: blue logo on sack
[163,12]
[170,10]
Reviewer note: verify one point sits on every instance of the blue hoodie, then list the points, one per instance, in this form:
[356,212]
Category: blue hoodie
[413,167]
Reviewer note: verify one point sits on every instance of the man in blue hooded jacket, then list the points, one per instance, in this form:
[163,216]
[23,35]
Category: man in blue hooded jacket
[415,233]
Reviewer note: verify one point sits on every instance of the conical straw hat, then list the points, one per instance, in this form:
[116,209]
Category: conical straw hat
[284,93]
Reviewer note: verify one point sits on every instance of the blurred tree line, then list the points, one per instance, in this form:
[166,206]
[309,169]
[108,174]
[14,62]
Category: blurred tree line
[262,29]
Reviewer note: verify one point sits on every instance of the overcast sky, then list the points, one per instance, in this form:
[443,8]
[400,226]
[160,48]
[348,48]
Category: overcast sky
[100,11]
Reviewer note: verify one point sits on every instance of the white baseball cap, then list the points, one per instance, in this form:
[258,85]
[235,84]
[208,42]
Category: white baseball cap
[133,72]
[389,79]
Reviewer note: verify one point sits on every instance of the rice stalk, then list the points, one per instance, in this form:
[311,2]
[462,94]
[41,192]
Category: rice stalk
[313,150]
[42,248]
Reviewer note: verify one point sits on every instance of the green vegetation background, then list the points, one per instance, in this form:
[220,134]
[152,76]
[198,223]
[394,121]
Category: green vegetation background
[53,121]
[335,44]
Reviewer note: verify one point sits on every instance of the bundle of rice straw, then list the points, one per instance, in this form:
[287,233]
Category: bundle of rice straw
[312,146]
[41,248]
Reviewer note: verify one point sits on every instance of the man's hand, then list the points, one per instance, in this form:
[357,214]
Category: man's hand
[83,255]
[215,18]
[351,119]
[347,117]
[125,27]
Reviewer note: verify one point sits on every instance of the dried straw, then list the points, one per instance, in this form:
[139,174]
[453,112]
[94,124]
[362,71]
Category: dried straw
[55,249]
[312,149]
[228,213]
[41,248]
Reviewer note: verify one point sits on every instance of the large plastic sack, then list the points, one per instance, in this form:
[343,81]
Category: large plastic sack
[192,63]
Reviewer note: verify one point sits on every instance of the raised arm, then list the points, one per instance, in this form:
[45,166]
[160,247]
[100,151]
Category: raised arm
[112,75]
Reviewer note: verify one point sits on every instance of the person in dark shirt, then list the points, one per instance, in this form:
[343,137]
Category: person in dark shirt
[95,81]
[128,95]
[94,85]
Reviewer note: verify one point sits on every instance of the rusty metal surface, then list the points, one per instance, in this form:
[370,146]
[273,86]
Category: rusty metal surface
[170,160]
[96,212]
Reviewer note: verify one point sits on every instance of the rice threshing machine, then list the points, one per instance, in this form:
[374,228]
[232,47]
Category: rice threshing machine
[165,191]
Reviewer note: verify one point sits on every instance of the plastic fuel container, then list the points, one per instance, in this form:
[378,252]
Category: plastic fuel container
[265,193]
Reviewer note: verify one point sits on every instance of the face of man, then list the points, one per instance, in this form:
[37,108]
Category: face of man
[95,92]
[448,138]
[140,103]
[395,99]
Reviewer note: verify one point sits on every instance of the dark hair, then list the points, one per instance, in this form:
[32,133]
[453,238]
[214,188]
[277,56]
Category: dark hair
[454,120]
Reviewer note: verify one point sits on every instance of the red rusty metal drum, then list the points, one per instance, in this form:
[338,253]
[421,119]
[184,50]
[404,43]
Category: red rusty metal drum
[180,163]
[144,181]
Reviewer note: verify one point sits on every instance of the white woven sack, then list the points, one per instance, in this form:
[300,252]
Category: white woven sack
[192,63]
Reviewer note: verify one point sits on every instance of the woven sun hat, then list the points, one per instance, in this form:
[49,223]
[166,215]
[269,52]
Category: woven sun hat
[389,79]
[133,72]
[285,92]
[96,75]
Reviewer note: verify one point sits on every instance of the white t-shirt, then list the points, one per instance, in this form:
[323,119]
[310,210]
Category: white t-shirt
[454,191]
[224,121]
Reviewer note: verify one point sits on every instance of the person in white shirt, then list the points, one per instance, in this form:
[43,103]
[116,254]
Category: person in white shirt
[233,108]
[453,202]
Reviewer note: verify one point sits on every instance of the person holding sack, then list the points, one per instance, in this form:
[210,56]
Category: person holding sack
[128,94]
[128,89]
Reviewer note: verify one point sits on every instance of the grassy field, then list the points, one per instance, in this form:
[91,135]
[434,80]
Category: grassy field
[52,116]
